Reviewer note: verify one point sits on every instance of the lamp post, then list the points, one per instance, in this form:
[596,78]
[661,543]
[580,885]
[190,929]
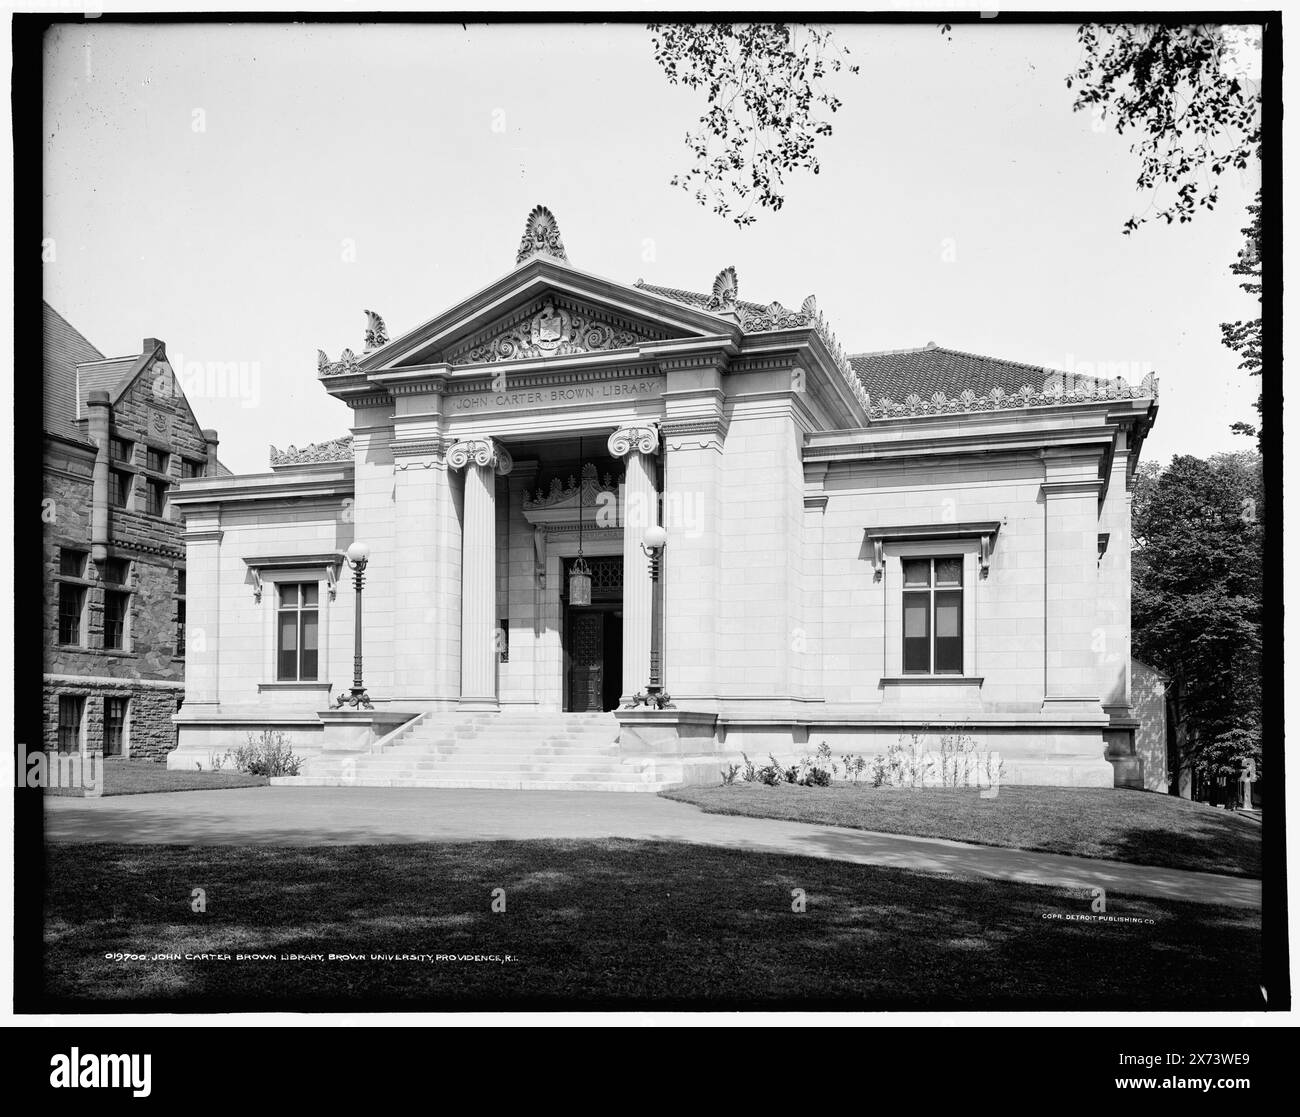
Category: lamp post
[653,543]
[358,555]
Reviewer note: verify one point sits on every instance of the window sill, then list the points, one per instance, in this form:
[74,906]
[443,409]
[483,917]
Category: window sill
[294,686]
[933,680]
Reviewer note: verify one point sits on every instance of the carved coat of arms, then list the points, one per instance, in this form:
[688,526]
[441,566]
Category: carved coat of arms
[550,328]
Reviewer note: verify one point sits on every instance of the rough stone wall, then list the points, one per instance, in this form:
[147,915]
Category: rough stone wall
[151,413]
[149,732]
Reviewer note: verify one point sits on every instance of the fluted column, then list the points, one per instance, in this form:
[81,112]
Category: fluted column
[482,459]
[639,445]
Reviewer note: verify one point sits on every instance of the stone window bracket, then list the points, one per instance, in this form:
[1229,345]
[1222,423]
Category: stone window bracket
[986,531]
[539,555]
[329,563]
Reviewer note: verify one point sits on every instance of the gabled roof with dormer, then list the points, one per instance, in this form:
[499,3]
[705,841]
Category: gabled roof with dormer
[73,368]
[64,347]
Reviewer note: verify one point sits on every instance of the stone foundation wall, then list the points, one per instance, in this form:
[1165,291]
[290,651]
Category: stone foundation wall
[1051,755]
[150,732]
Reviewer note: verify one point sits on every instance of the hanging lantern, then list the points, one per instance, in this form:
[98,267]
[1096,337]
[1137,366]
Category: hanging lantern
[580,582]
[580,572]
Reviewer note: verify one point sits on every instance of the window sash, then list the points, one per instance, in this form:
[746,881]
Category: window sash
[114,725]
[933,616]
[72,562]
[119,488]
[71,601]
[121,449]
[115,610]
[154,497]
[297,628]
[70,710]
[180,627]
[156,460]
[116,572]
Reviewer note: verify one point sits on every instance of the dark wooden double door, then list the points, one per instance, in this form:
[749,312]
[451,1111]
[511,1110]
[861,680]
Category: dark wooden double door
[593,657]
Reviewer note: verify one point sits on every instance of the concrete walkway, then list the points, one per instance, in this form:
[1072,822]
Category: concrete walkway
[358,815]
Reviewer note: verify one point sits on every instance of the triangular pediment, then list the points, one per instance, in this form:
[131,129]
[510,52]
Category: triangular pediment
[545,309]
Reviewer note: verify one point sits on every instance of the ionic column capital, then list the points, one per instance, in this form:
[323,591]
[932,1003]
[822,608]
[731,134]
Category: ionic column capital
[643,438]
[486,452]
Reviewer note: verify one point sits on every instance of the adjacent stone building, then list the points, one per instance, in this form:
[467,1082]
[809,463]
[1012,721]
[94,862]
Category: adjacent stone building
[118,434]
[888,552]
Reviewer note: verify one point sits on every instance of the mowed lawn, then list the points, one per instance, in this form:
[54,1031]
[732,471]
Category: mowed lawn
[613,922]
[1115,824]
[135,777]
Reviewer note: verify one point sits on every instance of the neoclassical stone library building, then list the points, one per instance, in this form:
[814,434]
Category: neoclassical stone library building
[853,549]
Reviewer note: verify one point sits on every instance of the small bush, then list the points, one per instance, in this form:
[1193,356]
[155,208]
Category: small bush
[750,773]
[267,755]
[729,774]
[816,777]
[771,774]
[879,772]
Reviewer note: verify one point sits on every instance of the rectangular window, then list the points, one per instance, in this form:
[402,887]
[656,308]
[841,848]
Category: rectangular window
[114,725]
[119,488]
[116,606]
[180,582]
[932,616]
[115,571]
[297,632]
[191,468]
[155,495]
[180,626]
[72,563]
[121,449]
[71,600]
[156,460]
[70,723]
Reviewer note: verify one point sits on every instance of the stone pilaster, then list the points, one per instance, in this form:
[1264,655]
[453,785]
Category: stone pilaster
[639,445]
[1070,493]
[482,459]
[1114,586]
[203,610]
[693,432]
[426,625]
[521,590]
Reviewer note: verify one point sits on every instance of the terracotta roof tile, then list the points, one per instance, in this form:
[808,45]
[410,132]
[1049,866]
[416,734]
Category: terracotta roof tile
[896,373]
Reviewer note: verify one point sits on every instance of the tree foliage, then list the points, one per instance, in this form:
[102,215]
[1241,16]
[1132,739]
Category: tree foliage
[1186,93]
[1247,337]
[1198,601]
[767,106]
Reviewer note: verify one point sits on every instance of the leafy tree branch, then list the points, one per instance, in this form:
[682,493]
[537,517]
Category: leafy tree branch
[768,104]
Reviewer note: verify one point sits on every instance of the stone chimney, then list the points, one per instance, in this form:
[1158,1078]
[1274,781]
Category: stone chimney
[98,412]
[210,437]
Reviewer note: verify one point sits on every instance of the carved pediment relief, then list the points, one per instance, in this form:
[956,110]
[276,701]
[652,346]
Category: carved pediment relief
[553,326]
[561,505]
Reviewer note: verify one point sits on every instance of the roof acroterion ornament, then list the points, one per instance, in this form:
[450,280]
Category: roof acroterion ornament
[541,237]
[726,289]
[376,331]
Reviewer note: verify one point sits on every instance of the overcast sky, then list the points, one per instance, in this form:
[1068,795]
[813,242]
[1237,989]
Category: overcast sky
[202,185]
